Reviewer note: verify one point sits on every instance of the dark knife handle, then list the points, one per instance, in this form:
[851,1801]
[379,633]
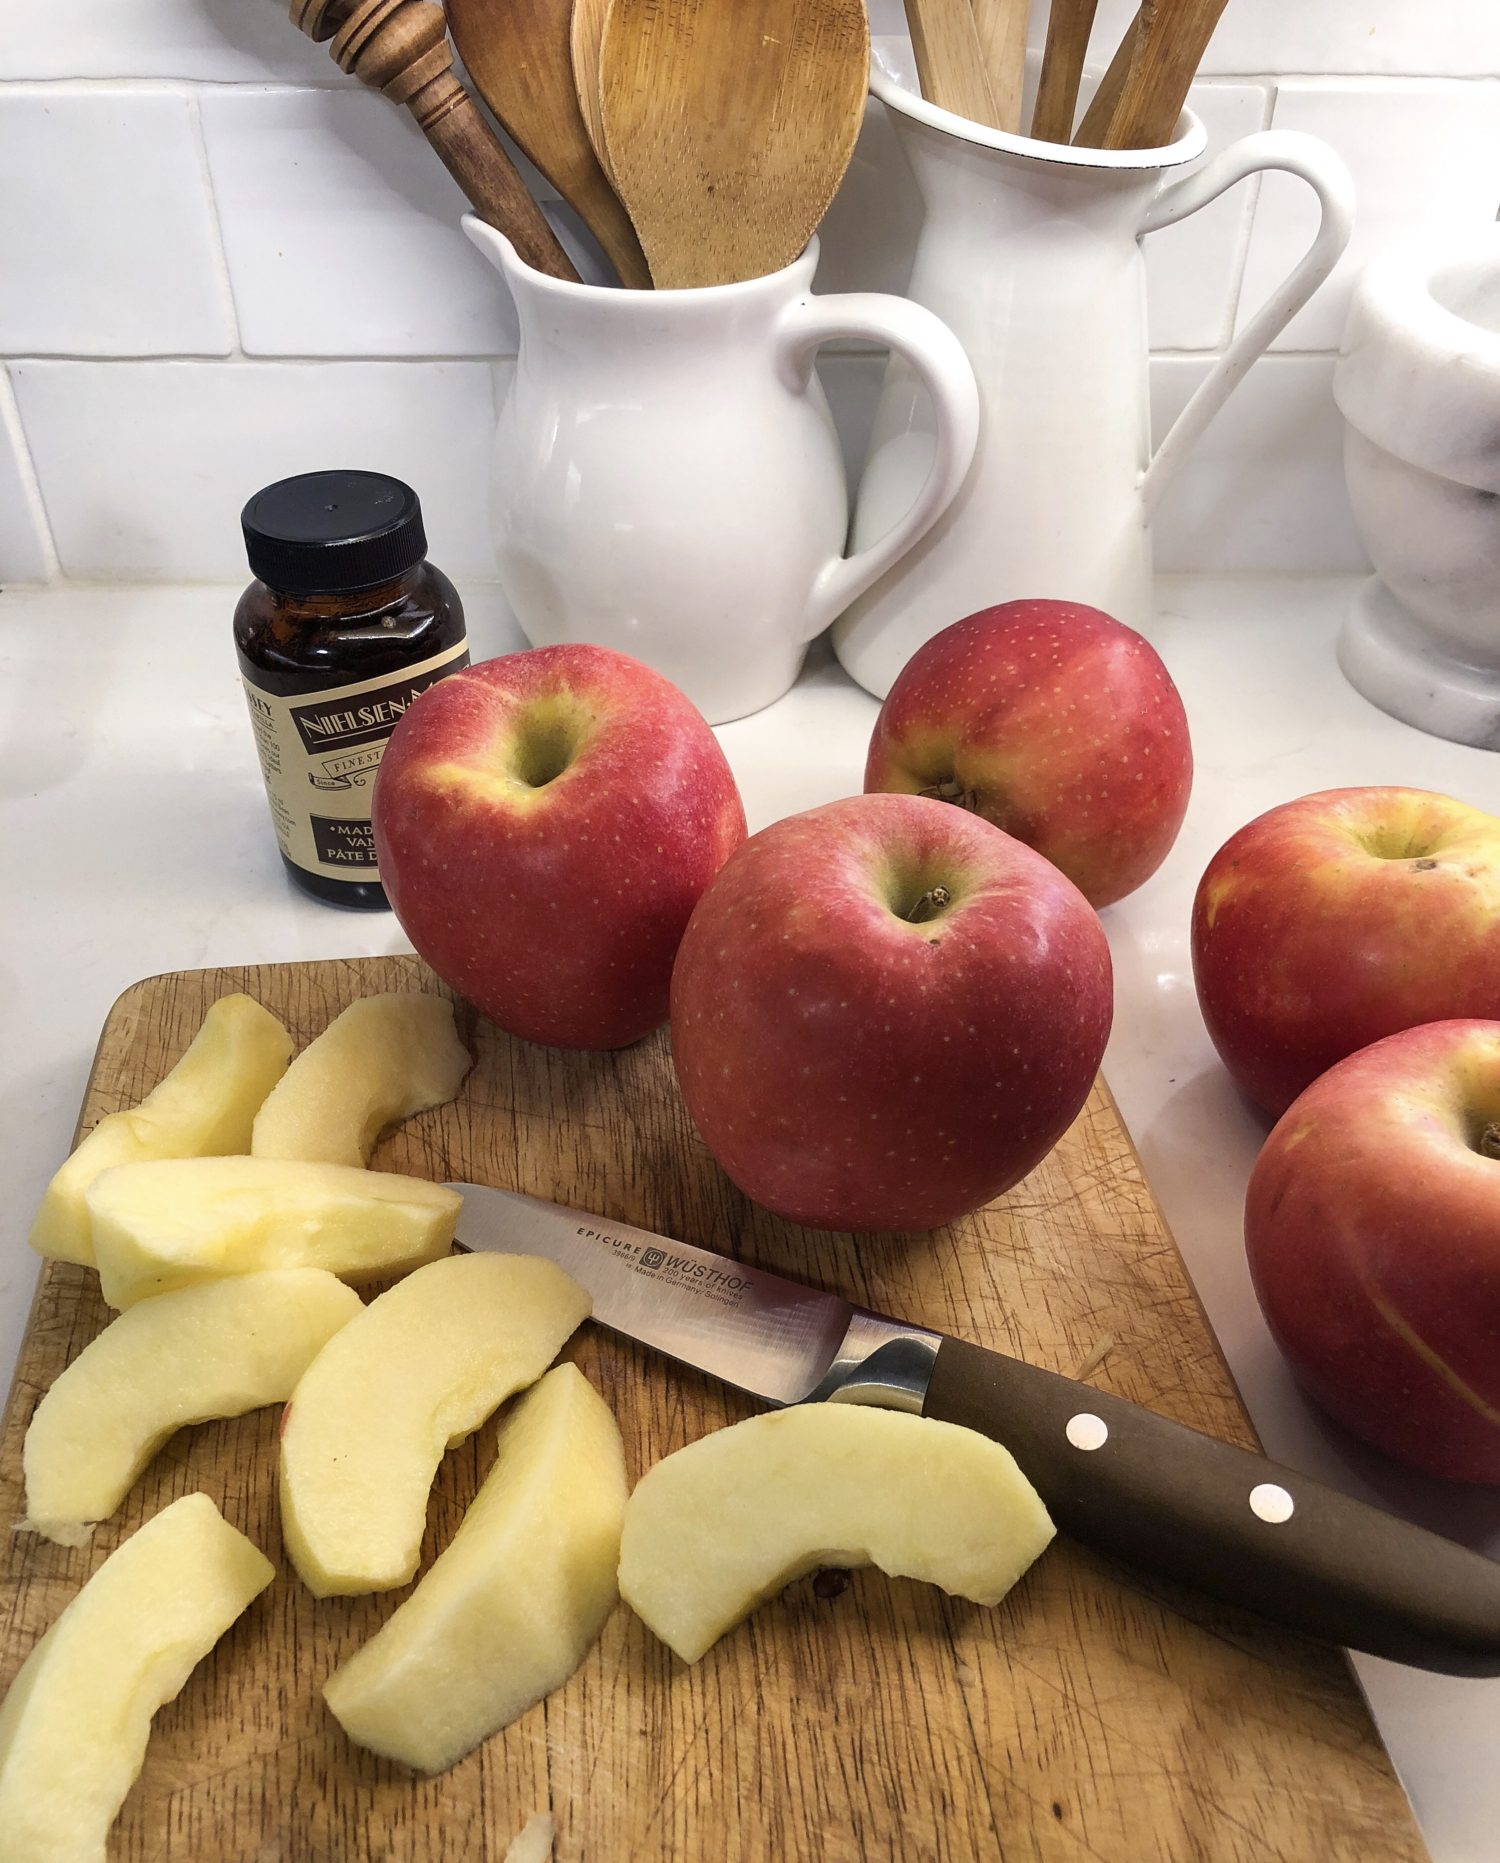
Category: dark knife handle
[1180,1504]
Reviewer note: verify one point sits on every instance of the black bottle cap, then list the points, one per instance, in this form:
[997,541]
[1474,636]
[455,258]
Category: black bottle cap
[326,532]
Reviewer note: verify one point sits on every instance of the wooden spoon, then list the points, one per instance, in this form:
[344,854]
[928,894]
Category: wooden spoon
[729,124]
[1002,38]
[519,54]
[951,71]
[588,32]
[1068,27]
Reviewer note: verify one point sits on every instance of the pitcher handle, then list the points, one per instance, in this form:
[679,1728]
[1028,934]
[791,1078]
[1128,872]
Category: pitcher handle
[1324,172]
[938,358]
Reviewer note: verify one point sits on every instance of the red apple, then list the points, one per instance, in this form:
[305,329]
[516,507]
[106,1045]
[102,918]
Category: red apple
[1373,1227]
[885,1012]
[1053,722]
[1339,918]
[544,826]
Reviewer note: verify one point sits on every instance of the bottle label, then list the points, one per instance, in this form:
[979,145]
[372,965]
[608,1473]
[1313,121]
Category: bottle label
[319,752]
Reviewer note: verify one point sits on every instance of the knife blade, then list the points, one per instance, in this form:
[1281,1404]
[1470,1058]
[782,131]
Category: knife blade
[1137,1486]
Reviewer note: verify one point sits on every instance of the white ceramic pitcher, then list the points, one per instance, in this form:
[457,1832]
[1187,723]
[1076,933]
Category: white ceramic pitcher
[1030,253]
[668,479]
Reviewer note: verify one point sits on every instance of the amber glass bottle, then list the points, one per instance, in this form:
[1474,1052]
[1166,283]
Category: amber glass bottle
[345,625]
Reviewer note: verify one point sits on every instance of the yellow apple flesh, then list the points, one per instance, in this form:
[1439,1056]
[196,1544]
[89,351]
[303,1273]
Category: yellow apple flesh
[75,1723]
[385,1058]
[722,1525]
[167,1224]
[371,1418]
[214,1350]
[206,1105]
[514,1603]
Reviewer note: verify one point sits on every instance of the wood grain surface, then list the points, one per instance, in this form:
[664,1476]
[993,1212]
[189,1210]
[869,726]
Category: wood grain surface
[519,56]
[1095,1717]
[729,128]
[951,71]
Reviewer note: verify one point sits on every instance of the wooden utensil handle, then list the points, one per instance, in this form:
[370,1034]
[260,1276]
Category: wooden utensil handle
[1180,1505]
[1001,25]
[1068,27]
[401,47]
[950,60]
[1096,119]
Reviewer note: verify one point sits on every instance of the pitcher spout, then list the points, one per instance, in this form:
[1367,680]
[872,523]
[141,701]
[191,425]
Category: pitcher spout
[493,244]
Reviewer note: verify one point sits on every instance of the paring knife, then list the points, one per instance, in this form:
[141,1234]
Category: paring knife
[1139,1487]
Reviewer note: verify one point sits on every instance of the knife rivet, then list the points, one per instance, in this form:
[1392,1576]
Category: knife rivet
[1271,1503]
[1086,1431]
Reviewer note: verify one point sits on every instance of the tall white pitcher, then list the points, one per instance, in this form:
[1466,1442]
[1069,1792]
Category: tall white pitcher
[1030,253]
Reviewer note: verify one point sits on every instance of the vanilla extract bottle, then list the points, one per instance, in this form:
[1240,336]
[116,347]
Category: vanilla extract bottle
[345,625]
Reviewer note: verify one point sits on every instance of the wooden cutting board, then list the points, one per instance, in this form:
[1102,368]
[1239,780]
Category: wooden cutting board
[1095,1715]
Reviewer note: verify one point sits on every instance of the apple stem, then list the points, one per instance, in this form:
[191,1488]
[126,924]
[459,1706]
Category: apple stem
[951,790]
[1489,1140]
[929,905]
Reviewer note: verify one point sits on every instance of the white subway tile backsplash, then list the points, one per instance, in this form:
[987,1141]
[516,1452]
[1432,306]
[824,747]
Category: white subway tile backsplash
[1425,38]
[106,227]
[1421,153]
[189,442]
[213,39]
[320,227]
[1264,487]
[1191,267]
[341,230]
[25,549]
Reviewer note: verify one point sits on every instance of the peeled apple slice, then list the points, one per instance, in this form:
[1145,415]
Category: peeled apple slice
[515,1602]
[179,1220]
[385,1058]
[214,1350]
[417,1371]
[74,1726]
[206,1105]
[715,1529]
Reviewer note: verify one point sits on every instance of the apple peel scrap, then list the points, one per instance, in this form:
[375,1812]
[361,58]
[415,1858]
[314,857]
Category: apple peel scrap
[214,1350]
[385,1058]
[76,1720]
[175,1221]
[719,1527]
[204,1106]
[417,1371]
[514,1603]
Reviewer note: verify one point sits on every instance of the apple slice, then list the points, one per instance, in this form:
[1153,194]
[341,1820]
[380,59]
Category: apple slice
[165,1224]
[514,1603]
[74,1725]
[420,1369]
[214,1350]
[720,1526]
[206,1105]
[385,1058]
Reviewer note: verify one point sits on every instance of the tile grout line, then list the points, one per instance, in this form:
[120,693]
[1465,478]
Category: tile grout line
[216,219]
[34,503]
[1245,233]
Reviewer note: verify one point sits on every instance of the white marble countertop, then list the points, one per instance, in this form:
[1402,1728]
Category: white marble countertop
[135,840]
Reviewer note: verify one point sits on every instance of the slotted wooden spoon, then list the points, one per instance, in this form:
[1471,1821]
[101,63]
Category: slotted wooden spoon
[729,124]
[519,55]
